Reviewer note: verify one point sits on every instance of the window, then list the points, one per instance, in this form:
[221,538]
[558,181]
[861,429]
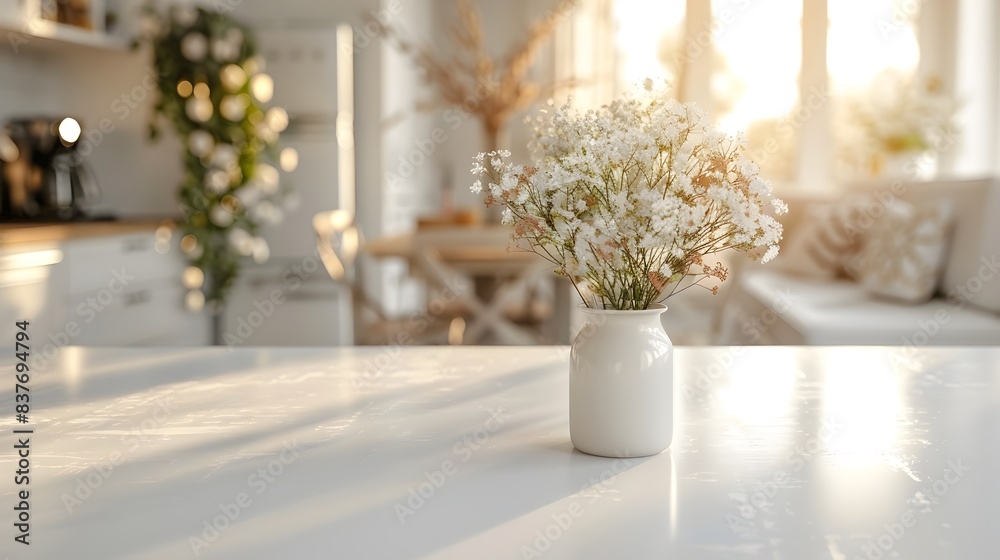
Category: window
[749,63]
[867,38]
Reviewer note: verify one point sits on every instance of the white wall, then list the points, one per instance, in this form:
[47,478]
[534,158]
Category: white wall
[506,26]
[26,88]
[139,177]
[976,81]
[114,91]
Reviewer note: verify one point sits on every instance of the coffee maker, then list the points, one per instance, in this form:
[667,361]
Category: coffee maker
[43,175]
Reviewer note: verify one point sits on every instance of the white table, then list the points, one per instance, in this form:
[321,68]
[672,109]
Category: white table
[165,441]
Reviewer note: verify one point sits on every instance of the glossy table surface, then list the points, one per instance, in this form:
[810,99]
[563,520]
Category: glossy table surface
[464,453]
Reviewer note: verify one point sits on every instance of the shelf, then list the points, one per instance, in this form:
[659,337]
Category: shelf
[49,35]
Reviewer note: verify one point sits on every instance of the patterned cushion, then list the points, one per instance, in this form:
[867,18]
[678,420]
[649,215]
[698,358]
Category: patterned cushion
[903,253]
[823,242]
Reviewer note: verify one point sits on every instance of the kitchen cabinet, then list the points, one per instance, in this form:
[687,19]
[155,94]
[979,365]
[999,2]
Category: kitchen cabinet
[128,294]
[113,289]
[30,279]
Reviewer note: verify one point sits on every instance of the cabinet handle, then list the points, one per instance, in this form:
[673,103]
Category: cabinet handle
[136,245]
[312,295]
[138,298]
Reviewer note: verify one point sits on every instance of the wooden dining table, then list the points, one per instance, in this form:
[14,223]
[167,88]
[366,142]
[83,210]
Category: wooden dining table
[483,253]
[788,453]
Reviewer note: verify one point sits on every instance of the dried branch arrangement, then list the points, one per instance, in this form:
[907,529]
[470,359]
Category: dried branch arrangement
[469,77]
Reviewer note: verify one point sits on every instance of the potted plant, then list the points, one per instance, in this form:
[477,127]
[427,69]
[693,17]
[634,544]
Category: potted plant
[213,92]
[627,201]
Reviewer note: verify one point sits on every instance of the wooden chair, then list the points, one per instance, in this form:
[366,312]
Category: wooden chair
[339,243]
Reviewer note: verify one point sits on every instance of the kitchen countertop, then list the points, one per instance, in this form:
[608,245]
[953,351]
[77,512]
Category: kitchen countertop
[15,233]
[464,452]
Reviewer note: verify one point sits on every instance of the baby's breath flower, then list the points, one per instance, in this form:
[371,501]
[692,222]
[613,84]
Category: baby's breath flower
[625,200]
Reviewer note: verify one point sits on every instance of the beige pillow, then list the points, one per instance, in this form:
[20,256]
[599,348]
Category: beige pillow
[904,252]
[822,243]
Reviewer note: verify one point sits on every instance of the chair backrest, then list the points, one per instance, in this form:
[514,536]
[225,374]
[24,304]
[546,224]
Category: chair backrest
[338,242]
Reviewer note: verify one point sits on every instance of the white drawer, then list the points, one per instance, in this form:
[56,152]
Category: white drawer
[96,264]
[313,313]
[140,314]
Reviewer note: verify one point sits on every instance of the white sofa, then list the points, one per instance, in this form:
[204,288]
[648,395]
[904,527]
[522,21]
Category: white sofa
[769,306]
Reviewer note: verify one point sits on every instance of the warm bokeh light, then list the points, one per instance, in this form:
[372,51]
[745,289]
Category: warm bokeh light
[233,77]
[762,50]
[230,203]
[261,251]
[69,130]
[163,235]
[202,91]
[185,89]
[268,177]
[164,232]
[862,395]
[289,159]
[193,277]
[642,28]
[262,87]
[199,110]
[277,119]
[8,149]
[189,243]
[340,220]
[866,37]
[194,300]
[233,108]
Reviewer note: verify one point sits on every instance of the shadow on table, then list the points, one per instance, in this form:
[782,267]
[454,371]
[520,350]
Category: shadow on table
[333,495]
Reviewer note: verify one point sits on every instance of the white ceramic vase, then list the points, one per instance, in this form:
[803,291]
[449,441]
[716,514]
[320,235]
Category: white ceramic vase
[621,384]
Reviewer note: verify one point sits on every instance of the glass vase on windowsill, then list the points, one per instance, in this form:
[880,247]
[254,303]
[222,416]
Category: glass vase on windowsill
[921,166]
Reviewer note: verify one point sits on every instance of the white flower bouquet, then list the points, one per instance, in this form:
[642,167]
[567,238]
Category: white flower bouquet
[628,200]
[898,114]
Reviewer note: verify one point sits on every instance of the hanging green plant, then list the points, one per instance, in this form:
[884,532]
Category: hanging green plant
[213,92]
